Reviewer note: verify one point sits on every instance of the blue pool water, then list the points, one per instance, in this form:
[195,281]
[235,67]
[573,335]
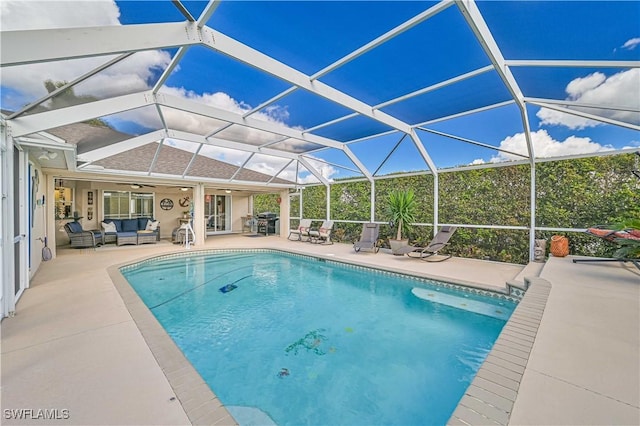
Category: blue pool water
[311,342]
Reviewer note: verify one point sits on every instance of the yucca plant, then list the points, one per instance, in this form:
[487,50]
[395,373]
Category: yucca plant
[402,209]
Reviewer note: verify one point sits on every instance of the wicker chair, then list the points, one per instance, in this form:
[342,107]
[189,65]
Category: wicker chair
[80,238]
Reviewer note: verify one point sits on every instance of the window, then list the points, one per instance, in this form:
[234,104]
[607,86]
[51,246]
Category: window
[125,204]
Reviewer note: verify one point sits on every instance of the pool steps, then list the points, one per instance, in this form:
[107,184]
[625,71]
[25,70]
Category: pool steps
[461,302]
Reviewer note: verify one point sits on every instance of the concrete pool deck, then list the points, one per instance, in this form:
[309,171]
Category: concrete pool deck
[73,344]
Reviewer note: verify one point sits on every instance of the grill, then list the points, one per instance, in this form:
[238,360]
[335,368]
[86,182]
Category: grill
[267,223]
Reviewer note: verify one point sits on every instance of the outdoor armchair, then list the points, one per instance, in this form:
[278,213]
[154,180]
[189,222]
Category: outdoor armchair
[301,231]
[323,234]
[79,238]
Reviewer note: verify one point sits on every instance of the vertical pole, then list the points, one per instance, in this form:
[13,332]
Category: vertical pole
[372,204]
[199,226]
[532,197]
[436,203]
[285,210]
[50,213]
[6,229]
[328,202]
[301,190]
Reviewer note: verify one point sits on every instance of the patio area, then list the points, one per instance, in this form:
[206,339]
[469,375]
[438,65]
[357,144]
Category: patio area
[74,346]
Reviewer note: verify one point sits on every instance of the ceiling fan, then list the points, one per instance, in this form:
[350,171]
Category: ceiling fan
[134,185]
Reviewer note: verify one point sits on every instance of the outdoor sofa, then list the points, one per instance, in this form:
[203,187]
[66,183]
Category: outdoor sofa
[131,231]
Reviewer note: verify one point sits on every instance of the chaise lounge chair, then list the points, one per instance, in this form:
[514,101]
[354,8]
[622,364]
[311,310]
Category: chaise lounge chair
[301,231]
[616,237]
[368,238]
[440,241]
[322,235]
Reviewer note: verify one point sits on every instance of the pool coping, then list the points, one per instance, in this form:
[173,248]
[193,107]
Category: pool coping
[199,402]
[490,397]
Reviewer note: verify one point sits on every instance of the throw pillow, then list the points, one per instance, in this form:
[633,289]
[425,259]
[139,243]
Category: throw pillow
[152,226]
[109,227]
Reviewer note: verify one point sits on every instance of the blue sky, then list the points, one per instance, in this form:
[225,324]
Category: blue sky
[309,36]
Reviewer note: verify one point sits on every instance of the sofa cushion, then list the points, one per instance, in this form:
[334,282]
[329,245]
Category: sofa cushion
[75,227]
[117,222]
[127,234]
[130,225]
[152,225]
[109,227]
[142,222]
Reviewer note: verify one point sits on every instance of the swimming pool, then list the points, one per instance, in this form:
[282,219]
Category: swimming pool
[308,341]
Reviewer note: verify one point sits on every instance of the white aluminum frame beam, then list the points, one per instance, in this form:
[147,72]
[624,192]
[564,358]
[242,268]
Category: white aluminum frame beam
[282,169]
[578,104]
[77,113]
[434,170]
[190,137]
[470,141]
[476,22]
[172,65]
[230,47]
[120,147]
[436,86]
[223,143]
[587,115]
[320,160]
[313,171]
[33,46]
[185,12]
[208,11]
[234,118]
[405,26]
[241,166]
[70,84]
[572,64]
[464,113]
[193,159]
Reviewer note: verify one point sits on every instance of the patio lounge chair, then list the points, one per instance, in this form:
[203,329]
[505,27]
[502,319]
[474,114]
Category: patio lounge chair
[323,234]
[368,238]
[440,241]
[80,238]
[615,237]
[301,231]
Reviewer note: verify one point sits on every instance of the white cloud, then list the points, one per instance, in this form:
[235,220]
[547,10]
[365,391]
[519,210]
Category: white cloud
[545,146]
[46,14]
[128,76]
[620,90]
[631,43]
[326,170]
[579,86]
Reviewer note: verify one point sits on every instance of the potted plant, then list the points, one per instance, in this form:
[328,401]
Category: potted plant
[402,209]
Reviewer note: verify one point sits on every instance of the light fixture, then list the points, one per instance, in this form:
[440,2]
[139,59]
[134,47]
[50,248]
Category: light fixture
[135,186]
[47,155]
[228,191]
[184,188]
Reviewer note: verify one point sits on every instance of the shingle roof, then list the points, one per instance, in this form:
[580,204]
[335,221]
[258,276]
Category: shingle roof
[174,161]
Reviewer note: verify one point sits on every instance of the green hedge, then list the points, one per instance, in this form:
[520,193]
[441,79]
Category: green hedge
[575,193]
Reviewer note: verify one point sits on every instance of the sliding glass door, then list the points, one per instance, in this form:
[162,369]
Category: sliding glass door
[217,213]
